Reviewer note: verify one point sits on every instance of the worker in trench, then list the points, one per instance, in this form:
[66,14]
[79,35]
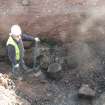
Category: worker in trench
[15,50]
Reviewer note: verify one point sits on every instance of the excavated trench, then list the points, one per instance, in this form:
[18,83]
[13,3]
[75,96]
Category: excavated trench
[83,63]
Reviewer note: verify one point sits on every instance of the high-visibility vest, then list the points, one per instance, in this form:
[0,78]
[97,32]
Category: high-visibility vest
[17,50]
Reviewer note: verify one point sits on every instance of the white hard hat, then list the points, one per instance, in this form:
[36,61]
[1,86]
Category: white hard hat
[15,30]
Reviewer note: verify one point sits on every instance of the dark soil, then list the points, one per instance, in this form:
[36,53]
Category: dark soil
[60,92]
[83,68]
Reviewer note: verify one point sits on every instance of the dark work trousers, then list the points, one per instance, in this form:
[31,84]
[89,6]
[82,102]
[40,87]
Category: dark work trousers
[21,69]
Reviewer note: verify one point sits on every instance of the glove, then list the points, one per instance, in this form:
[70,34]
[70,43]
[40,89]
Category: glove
[16,69]
[37,39]
[16,66]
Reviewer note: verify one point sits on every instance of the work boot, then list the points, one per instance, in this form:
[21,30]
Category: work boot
[26,69]
[16,77]
[20,78]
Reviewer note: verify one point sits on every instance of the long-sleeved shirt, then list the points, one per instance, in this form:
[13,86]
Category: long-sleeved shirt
[11,49]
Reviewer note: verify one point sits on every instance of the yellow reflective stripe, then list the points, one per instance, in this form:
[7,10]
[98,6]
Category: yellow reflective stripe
[17,51]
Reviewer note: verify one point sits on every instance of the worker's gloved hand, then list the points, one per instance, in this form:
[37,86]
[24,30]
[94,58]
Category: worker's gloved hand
[16,66]
[37,39]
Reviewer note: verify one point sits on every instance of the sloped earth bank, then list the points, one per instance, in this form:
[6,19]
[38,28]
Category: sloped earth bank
[83,63]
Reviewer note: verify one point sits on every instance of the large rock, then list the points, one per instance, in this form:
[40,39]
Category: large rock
[54,68]
[55,71]
[86,91]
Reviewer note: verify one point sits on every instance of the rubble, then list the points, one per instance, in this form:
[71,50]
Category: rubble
[7,92]
[6,82]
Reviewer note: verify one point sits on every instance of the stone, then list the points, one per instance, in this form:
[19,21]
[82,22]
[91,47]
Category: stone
[44,63]
[55,71]
[55,67]
[86,91]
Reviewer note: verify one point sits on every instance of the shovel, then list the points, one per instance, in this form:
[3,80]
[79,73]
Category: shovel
[36,53]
